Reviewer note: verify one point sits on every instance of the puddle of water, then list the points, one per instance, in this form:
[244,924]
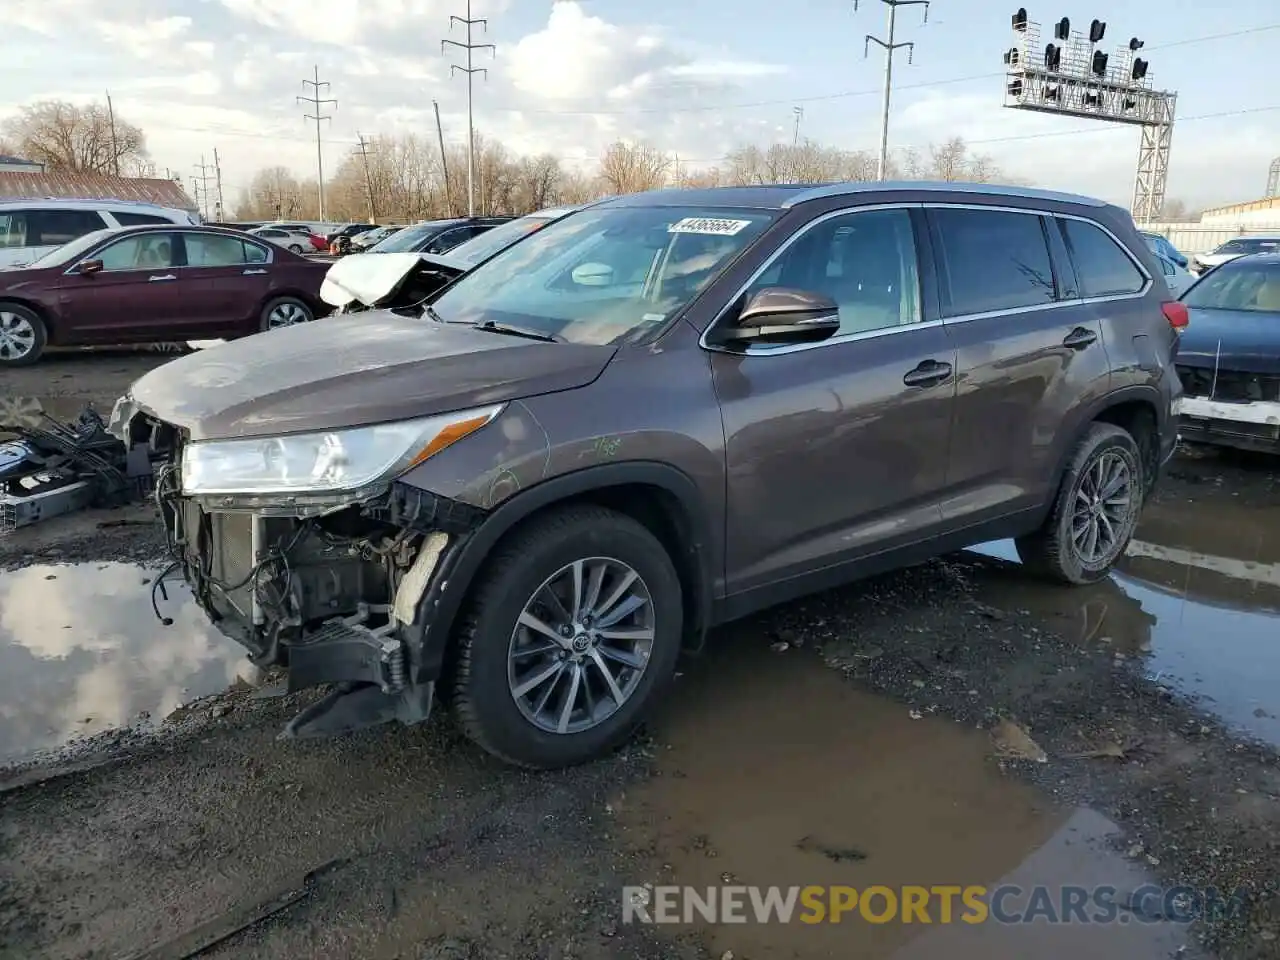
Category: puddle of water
[776,761]
[1197,596]
[81,652]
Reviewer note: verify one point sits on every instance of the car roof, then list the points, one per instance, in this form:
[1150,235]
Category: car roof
[179,228]
[783,196]
[1253,236]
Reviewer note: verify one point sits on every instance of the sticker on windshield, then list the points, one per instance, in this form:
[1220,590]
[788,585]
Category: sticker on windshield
[710,226]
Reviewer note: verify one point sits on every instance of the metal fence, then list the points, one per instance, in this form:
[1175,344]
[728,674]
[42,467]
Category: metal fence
[1193,238]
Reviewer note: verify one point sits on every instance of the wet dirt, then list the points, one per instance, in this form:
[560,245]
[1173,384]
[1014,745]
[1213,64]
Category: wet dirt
[410,843]
[82,654]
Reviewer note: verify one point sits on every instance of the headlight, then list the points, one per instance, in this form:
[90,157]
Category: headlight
[332,461]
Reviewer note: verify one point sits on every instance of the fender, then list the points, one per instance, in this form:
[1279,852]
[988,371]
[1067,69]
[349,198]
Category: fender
[1144,392]
[462,560]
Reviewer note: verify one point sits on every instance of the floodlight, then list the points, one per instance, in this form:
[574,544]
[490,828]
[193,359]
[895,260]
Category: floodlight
[1096,30]
[1062,29]
[1020,19]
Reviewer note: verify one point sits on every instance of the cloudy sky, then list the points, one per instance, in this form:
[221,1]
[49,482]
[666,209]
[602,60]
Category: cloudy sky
[694,78]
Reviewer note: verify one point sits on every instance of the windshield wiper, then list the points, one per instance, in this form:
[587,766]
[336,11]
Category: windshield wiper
[430,311]
[494,327]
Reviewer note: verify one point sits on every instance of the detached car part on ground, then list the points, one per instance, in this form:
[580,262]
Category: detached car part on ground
[1229,358]
[658,414]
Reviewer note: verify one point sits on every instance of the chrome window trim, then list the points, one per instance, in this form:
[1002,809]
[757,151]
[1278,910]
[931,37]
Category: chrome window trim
[766,351]
[265,248]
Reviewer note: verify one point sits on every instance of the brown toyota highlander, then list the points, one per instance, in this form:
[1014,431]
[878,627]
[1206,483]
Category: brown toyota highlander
[661,413]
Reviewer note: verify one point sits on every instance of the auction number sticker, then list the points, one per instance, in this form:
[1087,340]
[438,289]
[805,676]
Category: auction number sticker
[709,226]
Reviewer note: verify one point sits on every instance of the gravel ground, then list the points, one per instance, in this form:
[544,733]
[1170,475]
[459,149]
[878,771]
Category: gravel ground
[410,843]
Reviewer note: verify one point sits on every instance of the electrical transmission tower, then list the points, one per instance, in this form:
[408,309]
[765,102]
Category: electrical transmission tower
[1273,178]
[470,71]
[204,179]
[890,47]
[317,102]
[219,208]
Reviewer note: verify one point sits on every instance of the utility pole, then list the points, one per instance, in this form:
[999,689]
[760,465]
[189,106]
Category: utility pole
[368,182]
[195,193]
[317,102]
[889,48]
[444,160]
[799,112]
[204,178]
[219,209]
[115,150]
[470,71]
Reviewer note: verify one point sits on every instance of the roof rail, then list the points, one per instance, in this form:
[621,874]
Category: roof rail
[988,189]
[123,203]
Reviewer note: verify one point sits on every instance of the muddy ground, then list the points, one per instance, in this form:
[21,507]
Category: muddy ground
[871,735]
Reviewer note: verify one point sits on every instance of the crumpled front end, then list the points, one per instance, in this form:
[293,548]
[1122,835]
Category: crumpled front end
[336,588]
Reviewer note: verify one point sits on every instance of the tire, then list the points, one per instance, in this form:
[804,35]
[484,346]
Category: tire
[1051,551]
[23,336]
[294,248]
[274,314]
[484,676]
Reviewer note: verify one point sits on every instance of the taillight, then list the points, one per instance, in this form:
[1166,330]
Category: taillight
[1176,313]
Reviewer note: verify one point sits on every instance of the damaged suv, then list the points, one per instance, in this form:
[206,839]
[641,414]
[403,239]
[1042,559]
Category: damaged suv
[655,415]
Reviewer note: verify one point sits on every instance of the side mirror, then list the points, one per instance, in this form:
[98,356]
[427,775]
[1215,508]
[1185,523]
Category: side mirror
[88,268]
[783,315]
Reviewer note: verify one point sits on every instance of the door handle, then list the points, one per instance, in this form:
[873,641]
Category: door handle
[167,276]
[927,374]
[1079,338]
[253,273]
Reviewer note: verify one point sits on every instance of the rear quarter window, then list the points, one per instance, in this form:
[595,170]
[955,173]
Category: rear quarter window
[1102,266]
[992,260]
[137,219]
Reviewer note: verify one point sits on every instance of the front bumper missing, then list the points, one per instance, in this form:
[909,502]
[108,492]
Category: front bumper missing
[1245,426]
[343,598]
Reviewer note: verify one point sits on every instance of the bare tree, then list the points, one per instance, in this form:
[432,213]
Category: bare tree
[64,136]
[949,161]
[806,162]
[1174,209]
[633,167]
[537,179]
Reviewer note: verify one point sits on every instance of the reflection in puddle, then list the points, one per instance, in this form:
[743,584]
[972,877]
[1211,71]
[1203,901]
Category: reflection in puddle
[781,772]
[81,652]
[1198,596]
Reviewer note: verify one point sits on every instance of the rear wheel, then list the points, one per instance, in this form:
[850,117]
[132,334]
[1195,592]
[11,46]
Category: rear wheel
[286,312]
[295,248]
[1095,512]
[22,336]
[572,632]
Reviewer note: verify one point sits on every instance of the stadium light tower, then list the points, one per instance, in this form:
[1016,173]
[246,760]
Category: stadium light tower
[1072,76]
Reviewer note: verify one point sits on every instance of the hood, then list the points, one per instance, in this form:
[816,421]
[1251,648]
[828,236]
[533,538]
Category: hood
[1249,341]
[1215,259]
[353,371]
[366,278]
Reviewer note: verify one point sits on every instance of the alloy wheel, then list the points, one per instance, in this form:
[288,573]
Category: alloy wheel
[1102,509]
[17,336]
[581,645]
[286,315]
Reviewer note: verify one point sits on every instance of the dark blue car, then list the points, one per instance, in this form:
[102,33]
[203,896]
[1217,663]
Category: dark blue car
[1229,355]
[1164,246]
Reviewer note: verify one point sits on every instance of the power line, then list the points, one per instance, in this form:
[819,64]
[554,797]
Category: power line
[368,182]
[470,71]
[316,101]
[890,47]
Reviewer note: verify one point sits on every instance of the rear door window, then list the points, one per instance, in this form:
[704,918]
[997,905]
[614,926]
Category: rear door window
[56,227]
[991,260]
[1103,268]
[215,250]
[138,219]
[13,229]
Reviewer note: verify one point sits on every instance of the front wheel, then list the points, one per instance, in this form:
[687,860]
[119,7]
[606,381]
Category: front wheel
[286,312]
[1095,512]
[572,632]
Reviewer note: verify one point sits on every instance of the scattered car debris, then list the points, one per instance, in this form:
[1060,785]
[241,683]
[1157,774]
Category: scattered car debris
[54,468]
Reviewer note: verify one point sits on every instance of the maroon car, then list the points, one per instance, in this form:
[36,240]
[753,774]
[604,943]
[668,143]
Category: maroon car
[153,284]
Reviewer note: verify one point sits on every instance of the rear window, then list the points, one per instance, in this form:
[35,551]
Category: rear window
[1238,285]
[138,219]
[992,260]
[1244,245]
[1102,267]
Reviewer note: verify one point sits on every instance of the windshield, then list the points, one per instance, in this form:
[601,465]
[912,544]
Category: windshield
[73,250]
[1238,285]
[499,238]
[1244,245]
[403,241]
[605,275]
